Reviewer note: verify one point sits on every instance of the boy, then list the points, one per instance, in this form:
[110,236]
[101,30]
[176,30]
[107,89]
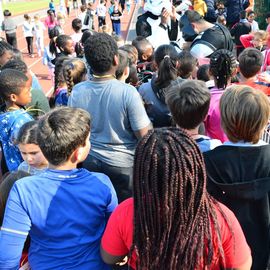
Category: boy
[101,13]
[9,27]
[15,91]
[77,28]
[64,209]
[250,64]
[189,104]
[116,20]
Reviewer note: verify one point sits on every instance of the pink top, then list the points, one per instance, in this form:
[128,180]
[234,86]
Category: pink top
[268,30]
[213,121]
[50,23]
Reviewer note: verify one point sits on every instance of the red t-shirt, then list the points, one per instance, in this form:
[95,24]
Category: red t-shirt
[260,87]
[117,238]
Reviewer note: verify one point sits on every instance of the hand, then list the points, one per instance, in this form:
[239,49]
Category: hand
[165,15]
[174,14]
[264,77]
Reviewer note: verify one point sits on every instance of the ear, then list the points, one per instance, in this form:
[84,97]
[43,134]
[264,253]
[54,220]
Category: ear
[193,25]
[126,71]
[144,57]
[115,60]
[13,97]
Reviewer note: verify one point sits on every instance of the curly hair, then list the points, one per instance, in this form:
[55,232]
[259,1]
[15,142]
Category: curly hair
[175,221]
[100,50]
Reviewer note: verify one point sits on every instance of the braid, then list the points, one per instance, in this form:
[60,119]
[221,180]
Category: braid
[68,77]
[175,223]
[222,66]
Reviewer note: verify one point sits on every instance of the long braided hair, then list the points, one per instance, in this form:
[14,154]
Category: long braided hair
[175,223]
[222,66]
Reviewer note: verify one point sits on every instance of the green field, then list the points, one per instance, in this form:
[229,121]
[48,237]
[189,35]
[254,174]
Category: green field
[26,6]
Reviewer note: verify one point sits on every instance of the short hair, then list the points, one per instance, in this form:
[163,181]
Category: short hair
[243,14]
[123,63]
[187,64]
[267,15]
[203,73]
[28,133]
[61,132]
[189,103]
[4,47]
[250,13]
[7,13]
[83,8]
[261,34]
[16,64]
[250,62]
[26,16]
[244,113]
[141,44]
[11,82]
[76,24]
[100,50]
[132,53]
[194,16]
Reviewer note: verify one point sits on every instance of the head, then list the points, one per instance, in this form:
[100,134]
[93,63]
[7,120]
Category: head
[63,135]
[222,20]
[106,29]
[223,66]
[50,13]
[59,80]
[119,40]
[260,38]
[132,53]
[76,25]
[144,48]
[53,34]
[166,60]
[243,14]
[65,44]
[6,52]
[187,64]
[101,53]
[190,24]
[188,103]
[244,113]
[203,73]
[79,46]
[60,19]
[122,71]
[267,18]
[15,87]
[220,4]
[37,18]
[74,72]
[27,17]
[28,146]
[83,8]
[250,62]
[170,202]
[6,13]
[251,16]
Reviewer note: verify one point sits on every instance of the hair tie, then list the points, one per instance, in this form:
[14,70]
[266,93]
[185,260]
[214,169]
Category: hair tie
[166,56]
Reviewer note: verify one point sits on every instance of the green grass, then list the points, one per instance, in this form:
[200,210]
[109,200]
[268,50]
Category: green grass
[27,6]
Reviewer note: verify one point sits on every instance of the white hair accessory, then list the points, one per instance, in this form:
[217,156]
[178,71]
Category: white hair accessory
[166,56]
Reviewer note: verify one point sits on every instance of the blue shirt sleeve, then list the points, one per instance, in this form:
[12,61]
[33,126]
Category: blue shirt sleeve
[15,228]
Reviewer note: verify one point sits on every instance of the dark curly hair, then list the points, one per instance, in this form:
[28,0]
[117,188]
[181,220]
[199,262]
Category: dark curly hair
[100,50]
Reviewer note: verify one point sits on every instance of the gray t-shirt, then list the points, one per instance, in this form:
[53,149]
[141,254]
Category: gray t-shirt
[116,111]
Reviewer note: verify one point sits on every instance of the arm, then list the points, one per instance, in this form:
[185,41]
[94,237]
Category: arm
[109,258]
[246,40]
[142,132]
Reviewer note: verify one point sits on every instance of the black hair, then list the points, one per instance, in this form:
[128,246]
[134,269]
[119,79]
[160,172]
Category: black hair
[76,24]
[267,15]
[222,66]
[4,46]
[203,73]
[11,82]
[53,33]
[175,219]
[166,58]
[61,42]
[100,50]
[250,62]
[140,43]
[194,16]
[61,132]
[7,13]
[187,64]
[250,12]
[189,103]
[243,14]
[123,63]
[132,53]
[79,46]
[28,133]
[16,64]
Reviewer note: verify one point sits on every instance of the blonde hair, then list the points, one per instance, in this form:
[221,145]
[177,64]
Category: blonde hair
[244,113]
[261,34]
[105,29]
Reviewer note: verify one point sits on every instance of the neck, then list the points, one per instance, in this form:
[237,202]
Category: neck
[104,76]
[193,133]
[12,106]
[204,26]
[243,79]
[64,167]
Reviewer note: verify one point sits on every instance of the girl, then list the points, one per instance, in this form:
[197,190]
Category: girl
[63,46]
[50,21]
[116,20]
[172,222]
[223,67]
[34,161]
[28,34]
[73,72]
[38,30]
[154,91]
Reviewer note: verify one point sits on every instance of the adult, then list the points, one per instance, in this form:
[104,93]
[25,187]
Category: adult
[9,27]
[210,37]
[172,222]
[119,118]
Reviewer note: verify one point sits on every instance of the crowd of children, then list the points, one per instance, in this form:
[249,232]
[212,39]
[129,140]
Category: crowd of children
[178,144]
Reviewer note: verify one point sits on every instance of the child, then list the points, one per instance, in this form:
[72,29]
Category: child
[101,13]
[238,171]
[74,71]
[28,34]
[187,65]
[71,205]
[77,28]
[268,28]
[189,104]
[39,30]
[116,20]
[82,16]
[60,22]
[34,161]
[9,27]
[15,90]
[89,17]
[122,71]
[253,23]
[51,6]
[50,21]
[203,74]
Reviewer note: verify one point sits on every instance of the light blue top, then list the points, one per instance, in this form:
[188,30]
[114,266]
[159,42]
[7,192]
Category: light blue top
[116,111]
[65,213]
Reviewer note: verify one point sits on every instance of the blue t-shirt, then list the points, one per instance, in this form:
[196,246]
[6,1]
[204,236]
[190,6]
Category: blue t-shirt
[65,213]
[206,144]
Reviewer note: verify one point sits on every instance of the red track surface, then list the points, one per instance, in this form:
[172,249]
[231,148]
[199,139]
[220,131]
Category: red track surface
[35,64]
